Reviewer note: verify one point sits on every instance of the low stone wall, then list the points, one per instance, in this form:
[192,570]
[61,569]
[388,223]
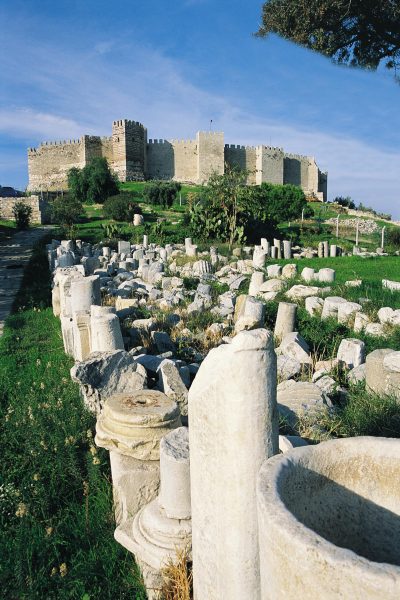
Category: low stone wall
[40,208]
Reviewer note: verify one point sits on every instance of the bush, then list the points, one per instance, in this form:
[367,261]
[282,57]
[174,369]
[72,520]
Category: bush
[22,215]
[94,183]
[66,210]
[393,237]
[162,193]
[121,208]
[347,201]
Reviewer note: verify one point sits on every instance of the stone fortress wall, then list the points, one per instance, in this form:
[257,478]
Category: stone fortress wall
[133,157]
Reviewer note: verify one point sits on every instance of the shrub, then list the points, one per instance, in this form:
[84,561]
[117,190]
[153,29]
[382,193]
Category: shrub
[66,210]
[347,201]
[121,208]
[22,215]
[162,193]
[94,183]
[393,237]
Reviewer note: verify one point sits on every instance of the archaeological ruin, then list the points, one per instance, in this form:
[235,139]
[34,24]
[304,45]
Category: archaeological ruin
[133,157]
[199,466]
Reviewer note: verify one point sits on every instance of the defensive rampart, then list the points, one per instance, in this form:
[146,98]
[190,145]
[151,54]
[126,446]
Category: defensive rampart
[133,157]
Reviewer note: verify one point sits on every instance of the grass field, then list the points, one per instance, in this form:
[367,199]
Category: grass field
[56,521]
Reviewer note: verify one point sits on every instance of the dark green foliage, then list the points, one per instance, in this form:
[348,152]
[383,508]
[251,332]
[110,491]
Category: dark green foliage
[56,520]
[360,33]
[393,237]
[267,205]
[121,207]
[66,210]
[229,210]
[22,215]
[348,202]
[162,193]
[94,183]
[218,211]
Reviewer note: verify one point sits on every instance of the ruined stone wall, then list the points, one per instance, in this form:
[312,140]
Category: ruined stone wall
[269,165]
[244,157]
[210,157]
[40,208]
[48,164]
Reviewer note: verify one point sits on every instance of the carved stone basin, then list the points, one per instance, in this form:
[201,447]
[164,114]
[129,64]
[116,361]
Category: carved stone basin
[329,521]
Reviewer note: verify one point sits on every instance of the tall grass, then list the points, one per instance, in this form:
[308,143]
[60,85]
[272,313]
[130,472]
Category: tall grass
[56,521]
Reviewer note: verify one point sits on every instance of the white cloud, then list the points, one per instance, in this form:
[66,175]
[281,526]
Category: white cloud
[26,123]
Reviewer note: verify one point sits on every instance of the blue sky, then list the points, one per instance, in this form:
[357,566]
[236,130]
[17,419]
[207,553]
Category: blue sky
[72,67]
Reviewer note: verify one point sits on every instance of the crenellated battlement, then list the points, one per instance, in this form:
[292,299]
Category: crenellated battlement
[133,157]
[297,156]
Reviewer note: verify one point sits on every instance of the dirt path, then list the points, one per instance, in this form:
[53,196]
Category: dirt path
[15,253]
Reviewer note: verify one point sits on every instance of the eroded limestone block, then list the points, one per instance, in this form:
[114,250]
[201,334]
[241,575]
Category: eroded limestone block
[351,352]
[314,305]
[134,423]
[302,291]
[84,293]
[289,271]
[300,398]
[104,374]
[172,385]
[331,306]
[382,372]
[295,346]
[347,311]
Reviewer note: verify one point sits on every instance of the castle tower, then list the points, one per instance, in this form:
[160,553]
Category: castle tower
[129,142]
[210,154]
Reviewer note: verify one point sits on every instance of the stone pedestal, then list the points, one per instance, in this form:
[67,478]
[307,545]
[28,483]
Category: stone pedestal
[308,274]
[63,278]
[106,332]
[287,249]
[256,281]
[259,256]
[233,428]
[285,319]
[326,275]
[163,527]
[138,220]
[131,427]
[84,293]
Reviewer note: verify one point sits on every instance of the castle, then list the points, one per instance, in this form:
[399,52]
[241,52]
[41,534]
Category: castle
[133,157]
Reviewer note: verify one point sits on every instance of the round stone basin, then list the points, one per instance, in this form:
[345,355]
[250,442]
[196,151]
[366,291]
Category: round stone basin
[329,521]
